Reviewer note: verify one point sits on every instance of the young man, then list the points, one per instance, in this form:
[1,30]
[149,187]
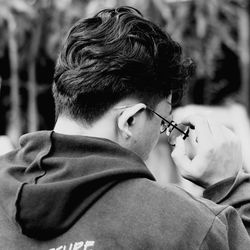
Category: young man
[85,185]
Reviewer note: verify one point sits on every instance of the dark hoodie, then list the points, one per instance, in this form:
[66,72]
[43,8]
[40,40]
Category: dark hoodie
[65,192]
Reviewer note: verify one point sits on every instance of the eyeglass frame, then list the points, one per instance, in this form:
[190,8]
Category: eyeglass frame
[170,123]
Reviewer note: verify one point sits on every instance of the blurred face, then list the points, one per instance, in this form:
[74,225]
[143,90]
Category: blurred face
[147,132]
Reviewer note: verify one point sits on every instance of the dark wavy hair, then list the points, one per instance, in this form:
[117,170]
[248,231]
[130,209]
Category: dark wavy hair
[113,55]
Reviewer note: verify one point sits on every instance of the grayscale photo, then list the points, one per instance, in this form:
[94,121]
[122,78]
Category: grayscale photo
[124,124]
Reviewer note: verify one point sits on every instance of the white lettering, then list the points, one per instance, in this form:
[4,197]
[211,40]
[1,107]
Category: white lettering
[78,245]
[89,244]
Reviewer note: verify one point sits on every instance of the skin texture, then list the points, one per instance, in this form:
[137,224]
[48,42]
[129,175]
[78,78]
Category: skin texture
[211,153]
[130,127]
[145,130]
[231,114]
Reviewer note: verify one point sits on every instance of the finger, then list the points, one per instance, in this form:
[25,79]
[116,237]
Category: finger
[217,131]
[179,156]
[222,133]
[202,129]
[191,144]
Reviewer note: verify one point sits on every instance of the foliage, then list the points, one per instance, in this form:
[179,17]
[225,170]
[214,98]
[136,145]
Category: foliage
[206,29]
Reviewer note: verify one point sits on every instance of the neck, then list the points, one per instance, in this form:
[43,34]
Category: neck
[102,128]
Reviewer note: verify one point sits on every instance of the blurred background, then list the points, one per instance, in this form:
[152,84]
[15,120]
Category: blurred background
[215,33]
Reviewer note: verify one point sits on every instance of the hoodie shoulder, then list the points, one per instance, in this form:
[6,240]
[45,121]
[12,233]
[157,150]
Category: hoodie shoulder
[170,215]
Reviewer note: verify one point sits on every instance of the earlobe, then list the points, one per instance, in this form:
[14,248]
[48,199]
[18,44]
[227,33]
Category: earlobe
[127,119]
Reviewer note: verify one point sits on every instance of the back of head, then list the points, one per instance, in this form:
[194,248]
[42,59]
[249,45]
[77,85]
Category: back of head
[111,56]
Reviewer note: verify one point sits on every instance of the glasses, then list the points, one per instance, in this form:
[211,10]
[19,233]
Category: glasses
[170,128]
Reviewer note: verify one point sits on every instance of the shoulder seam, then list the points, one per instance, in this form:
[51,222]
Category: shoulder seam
[210,228]
[223,207]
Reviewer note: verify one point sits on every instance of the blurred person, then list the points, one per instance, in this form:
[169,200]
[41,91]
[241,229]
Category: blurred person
[85,185]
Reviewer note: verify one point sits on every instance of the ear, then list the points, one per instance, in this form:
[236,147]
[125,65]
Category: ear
[127,119]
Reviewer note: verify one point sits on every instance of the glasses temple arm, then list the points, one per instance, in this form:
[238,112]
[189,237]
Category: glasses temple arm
[170,123]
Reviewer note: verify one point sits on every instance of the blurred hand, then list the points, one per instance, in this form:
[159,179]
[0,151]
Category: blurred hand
[211,153]
[231,114]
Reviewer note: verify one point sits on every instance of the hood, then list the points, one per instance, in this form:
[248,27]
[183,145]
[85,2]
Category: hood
[52,179]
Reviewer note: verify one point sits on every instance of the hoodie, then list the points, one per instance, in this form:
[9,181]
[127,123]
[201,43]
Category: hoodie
[75,192]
